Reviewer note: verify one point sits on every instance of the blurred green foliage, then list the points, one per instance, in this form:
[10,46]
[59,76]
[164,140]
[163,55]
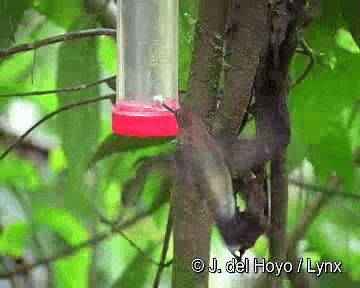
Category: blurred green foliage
[57,198]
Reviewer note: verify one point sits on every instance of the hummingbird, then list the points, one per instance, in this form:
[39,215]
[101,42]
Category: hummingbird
[199,151]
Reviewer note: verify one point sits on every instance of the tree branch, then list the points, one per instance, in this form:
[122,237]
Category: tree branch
[272,116]
[118,228]
[41,145]
[245,38]
[192,221]
[161,267]
[279,212]
[119,231]
[326,191]
[50,115]
[306,50]
[303,279]
[115,228]
[304,223]
[206,63]
[61,90]
[56,39]
[63,254]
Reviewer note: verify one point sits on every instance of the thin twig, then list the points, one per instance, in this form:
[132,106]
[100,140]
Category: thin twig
[62,90]
[67,252]
[72,250]
[303,224]
[127,223]
[137,248]
[303,279]
[306,50]
[50,115]
[56,39]
[116,228]
[39,144]
[33,68]
[141,215]
[161,267]
[325,190]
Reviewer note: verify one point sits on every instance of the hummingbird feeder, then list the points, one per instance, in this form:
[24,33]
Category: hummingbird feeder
[147,75]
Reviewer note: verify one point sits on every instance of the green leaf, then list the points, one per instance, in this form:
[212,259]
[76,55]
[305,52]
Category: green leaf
[57,160]
[333,153]
[73,232]
[319,101]
[351,12]
[62,12]
[296,152]
[13,239]
[345,41]
[11,13]
[117,169]
[78,128]
[25,72]
[132,189]
[63,222]
[346,241]
[107,53]
[329,280]
[137,271]
[19,173]
[261,247]
[119,144]
[329,15]
[149,170]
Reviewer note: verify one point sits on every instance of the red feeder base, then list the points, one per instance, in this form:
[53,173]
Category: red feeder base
[144,119]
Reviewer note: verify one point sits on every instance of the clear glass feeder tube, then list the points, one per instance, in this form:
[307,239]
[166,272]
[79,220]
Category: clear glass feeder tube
[147,73]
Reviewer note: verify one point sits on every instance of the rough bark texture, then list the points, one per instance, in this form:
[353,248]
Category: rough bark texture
[257,47]
[246,35]
[279,208]
[192,224]
[192,221]
[207,58]
[272,115]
